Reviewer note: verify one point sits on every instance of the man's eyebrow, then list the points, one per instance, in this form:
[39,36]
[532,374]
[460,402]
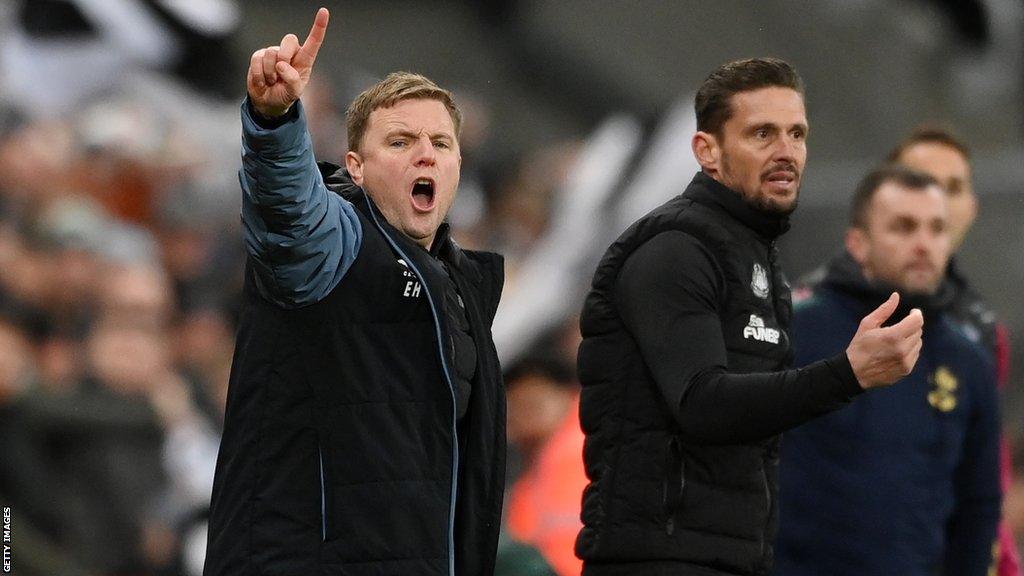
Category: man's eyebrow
[776,126]
[400,132]
[799,126]
[406,133]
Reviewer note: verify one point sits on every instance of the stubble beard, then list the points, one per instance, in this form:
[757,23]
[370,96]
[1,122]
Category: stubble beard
[770,205]
[764,202]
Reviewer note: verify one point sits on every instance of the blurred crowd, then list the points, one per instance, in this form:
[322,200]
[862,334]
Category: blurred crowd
[116,313]
[118,297]
[121,265]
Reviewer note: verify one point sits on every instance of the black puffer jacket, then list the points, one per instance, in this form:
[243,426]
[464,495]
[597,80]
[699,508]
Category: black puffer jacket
[341,454]
[685,392]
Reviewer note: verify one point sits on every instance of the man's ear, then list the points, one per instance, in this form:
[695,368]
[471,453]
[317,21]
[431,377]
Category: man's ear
[354,163]
[857,244]
[707,151]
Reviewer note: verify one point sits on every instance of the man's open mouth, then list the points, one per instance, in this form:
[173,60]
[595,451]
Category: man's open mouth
[423,194]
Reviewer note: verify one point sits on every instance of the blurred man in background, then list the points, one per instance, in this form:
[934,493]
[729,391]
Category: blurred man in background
[685,349]
[544,425]
[905,480]
[938,152]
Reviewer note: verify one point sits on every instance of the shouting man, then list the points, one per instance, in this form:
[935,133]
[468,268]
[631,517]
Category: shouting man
[365,426]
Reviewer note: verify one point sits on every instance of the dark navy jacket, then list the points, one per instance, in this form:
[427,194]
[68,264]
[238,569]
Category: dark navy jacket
[341,454]
[906,480]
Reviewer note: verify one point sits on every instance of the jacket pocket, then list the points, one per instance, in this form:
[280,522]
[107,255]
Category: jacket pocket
[674,484]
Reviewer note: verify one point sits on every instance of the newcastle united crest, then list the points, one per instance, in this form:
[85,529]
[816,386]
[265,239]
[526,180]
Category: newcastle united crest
[759,283]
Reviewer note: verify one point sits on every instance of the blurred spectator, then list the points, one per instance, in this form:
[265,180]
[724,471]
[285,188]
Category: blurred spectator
[204,343]
[1013,505]
[518,559]
[24,471]
[907,477]
[203,260]
[326,116]
[523,203]
[543,425]
[26,481]
[15,362]
[135,295]
[938,152]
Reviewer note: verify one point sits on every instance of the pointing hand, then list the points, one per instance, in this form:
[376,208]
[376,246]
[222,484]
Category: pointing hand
[278,75]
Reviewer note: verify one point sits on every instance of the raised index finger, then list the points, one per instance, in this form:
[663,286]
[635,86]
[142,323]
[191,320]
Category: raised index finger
[307,53]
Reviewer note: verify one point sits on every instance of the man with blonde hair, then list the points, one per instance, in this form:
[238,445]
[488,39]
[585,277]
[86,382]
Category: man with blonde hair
[365,424]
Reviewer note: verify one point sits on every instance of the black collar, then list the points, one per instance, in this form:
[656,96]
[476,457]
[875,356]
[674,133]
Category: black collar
[706,190]
[845,275]
[443,248]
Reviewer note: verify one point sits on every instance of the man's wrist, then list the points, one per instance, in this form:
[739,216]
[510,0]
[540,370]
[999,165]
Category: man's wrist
[268,120]
[843,370]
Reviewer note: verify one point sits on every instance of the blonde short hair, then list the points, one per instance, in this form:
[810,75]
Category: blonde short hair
[396,87]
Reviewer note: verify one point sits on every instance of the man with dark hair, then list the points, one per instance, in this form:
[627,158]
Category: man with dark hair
[685,350]
[939,152]
[365,423]
[861,205]
[712,102]
[905,481]
[543,424]
[936,151]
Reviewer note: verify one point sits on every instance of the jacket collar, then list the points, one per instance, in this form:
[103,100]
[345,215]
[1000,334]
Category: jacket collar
[444,248]
[956,277]
[447,250]
[845,275]
[706,190]
[443,244]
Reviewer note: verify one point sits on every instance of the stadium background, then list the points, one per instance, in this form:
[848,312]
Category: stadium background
[119,199]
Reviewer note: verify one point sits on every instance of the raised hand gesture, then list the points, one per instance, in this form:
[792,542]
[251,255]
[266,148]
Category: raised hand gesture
[278,74]
[881,356]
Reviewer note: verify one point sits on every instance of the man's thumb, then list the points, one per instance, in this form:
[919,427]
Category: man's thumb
[879,315]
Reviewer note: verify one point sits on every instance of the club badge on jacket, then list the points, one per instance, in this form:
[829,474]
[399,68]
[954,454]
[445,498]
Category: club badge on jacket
[759,282]
[943,397]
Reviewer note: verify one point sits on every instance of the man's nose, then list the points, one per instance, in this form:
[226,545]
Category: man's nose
[425,153]
[786,149]
[923,242]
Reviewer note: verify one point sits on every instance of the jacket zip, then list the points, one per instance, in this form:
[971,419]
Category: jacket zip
[323,497]
[768,507]
[448,379]
[672,498]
